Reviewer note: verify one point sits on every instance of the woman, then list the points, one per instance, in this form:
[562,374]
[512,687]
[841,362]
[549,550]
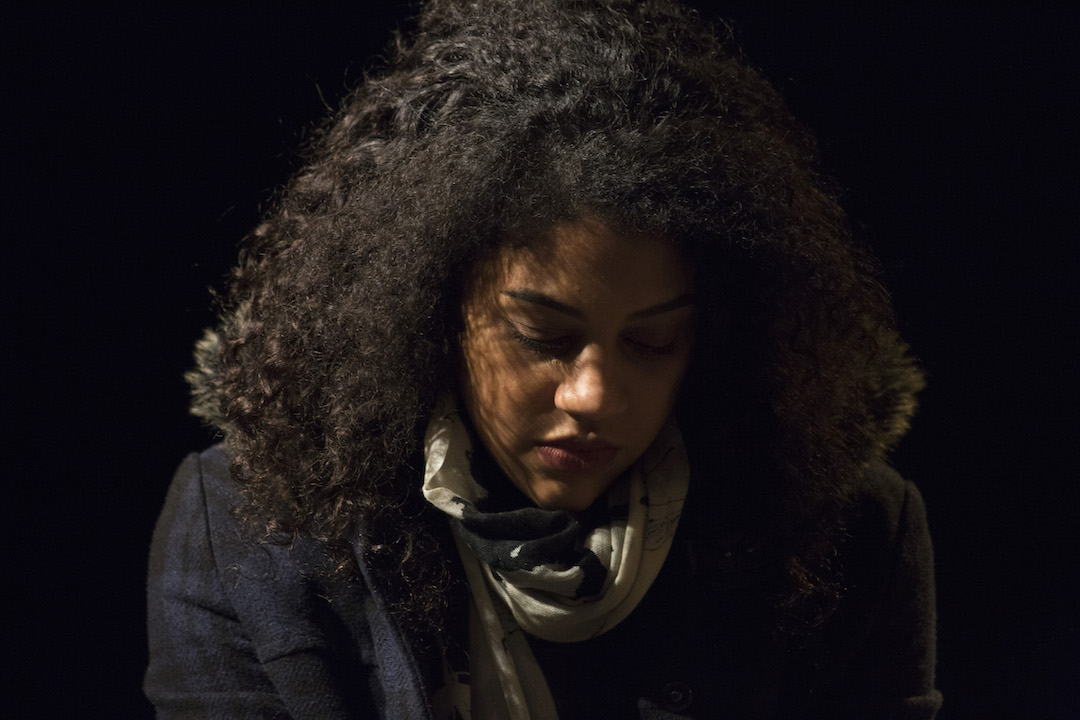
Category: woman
[553,387]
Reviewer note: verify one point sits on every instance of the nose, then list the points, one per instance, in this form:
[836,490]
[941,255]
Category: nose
[591,387]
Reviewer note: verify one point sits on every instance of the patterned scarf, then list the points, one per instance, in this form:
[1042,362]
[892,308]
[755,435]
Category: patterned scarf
[554,574]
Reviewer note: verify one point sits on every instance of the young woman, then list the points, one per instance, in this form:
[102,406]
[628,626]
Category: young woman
[553,386]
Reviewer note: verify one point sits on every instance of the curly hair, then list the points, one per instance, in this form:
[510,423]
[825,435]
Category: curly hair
[503,118]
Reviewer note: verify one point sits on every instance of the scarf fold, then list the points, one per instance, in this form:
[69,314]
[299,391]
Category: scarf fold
[554,574]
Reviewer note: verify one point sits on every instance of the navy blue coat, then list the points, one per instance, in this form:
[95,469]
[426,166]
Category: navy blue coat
[245,630]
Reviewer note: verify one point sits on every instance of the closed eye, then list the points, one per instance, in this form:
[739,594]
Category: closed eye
[654,339]
[557,346]
[651,348]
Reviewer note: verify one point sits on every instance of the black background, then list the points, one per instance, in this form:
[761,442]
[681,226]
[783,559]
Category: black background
[140,143]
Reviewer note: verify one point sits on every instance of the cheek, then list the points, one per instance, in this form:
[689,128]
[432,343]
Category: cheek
[657,401]
[503,390]
[659,394]
[479,366]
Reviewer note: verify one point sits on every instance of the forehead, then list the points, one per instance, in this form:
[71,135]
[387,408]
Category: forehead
[586,260]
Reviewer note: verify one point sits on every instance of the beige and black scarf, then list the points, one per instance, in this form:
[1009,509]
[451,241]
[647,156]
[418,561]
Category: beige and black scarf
[554,574]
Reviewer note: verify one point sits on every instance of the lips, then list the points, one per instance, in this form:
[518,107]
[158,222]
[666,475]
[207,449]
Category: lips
[576,455]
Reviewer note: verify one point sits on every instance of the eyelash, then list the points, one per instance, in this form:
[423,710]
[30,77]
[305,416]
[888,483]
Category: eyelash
[561,346]
[669,349]
[553,348]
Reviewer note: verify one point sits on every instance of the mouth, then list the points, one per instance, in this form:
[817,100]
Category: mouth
[576,455]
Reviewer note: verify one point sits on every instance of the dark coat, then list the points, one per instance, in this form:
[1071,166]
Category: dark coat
[247,630]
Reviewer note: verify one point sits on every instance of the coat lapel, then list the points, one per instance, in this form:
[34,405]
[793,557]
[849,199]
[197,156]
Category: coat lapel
[400,674]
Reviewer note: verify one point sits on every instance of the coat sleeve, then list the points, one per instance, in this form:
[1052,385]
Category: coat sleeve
[888,672]
[241,629]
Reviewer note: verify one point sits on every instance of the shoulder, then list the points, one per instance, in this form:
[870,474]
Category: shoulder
[204,549]
[885,500]
[886,552]
[202,487]
[240,627]
[195,508]
[887,524]
[881,643]
[204,480]
[204,522]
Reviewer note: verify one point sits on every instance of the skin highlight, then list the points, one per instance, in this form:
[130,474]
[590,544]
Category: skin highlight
[573,352]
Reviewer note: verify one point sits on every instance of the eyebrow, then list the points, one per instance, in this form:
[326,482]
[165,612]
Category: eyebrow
[537,298]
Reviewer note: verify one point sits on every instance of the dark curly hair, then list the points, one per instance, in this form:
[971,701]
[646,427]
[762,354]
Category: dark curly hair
[503,118]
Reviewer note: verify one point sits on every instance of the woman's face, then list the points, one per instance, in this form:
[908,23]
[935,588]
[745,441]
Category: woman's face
[573,352]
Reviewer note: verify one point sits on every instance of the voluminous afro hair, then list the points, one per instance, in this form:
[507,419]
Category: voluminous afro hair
[503,118]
